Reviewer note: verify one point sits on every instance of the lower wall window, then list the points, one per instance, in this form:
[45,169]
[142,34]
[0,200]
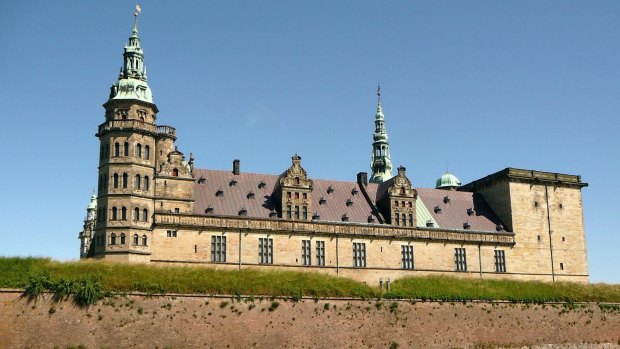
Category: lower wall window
[406,252]
[306,252]
[500,261]
[460,259]
[218,249]
[359,254]
[320,253]
[171,233]
[265,251]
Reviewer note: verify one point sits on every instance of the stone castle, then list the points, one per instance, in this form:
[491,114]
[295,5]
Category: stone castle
[153,206]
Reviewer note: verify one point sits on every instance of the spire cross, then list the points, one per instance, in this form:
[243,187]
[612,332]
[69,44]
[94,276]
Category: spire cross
[379,92]
[136,12]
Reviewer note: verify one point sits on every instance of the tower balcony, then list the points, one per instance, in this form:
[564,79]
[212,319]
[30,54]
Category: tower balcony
[168,131]
[126,125]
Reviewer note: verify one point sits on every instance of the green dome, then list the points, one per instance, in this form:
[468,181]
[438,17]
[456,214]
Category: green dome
[448,180]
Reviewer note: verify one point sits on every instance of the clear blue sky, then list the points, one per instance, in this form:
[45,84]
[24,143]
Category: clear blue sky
[475,86]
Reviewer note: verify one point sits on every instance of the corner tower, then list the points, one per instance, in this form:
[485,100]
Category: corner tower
[380,163]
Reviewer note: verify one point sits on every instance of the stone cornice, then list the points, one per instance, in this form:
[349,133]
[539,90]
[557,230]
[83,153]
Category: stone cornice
[527,176]
[278,226]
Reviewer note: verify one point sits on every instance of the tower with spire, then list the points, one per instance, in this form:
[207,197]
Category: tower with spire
[380,164]
[88,230]
[140,169]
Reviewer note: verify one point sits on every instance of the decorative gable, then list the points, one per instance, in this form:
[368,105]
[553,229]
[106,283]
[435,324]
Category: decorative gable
[295,192]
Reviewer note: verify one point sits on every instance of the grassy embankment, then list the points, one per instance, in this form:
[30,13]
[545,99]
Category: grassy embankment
[41,274]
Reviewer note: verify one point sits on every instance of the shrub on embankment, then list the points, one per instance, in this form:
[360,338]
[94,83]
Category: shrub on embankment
[93,278]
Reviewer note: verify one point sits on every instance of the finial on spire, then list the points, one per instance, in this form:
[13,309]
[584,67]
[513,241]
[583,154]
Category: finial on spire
[136,12]
[379,92]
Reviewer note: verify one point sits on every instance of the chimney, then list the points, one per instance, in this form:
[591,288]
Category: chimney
[362,178]
[236,167]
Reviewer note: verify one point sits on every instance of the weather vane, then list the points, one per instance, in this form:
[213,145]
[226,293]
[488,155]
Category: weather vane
[379,91]
[136,12]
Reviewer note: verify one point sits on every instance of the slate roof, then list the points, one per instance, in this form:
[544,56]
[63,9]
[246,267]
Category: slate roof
[221,193]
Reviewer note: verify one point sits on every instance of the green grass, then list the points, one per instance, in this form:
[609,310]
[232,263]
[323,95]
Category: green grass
[86,279]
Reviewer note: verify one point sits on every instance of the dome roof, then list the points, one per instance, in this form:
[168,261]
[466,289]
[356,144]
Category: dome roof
[93,202]
[447,180]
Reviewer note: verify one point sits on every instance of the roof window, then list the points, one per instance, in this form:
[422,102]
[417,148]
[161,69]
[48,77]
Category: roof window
[232,183]
[273,213]
[430,223]
[470,211]
[202,180]
[354,191]
[219,193]
[446,199]
[209,210]
[316,216]
[251,195]
[261,185]
[437,209]
[499,227]
[345,217]
[243,212]
[349,202]
[330,190]
[322,201]
[371,219]
[466,225]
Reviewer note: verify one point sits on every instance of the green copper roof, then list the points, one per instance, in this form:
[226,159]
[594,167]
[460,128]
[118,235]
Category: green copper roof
[380,162]
[92,205]
[447,180]
[132,82]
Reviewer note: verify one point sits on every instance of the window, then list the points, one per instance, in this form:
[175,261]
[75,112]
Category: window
[305,195]
[139,150]
[500,261]
[117,149]
[410,220]
[296,212]
[265,251]
[305,212]
[561,266]
[136,239]
[123,213]
[306,252]
[138,183]
[113,239]
[320,253]
[175,172]
[289,213]
[115,180]
[126,149]
[359,254]
[122,238]
[177,210]
[406,252]
[404,217]
[460,259]
[397,217]
[144,240]
[146,183]
[147,152]
[288,194]
[114,213]
[171,233]
[296,195]
[218,249]
[136,214]
[125,180]
[145,215]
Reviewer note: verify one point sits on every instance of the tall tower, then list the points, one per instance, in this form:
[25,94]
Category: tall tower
[88,231]
[380,164]
[127,162]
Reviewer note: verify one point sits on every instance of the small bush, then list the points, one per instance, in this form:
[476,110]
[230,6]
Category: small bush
[62,289]
[87,292]
[223,304]
[36,287]
[326,306]
[274,305]
[393,307]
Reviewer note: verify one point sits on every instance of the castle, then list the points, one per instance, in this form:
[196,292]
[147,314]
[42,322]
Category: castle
[153,206]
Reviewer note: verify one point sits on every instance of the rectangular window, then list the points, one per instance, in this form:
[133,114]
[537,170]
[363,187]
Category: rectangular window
[171,233]
[359,254]
[410,220]
[320,253]
[404,219]
[406,252]
[218,249]
[289,211]
[296,195]
[305,212]
[296,212]
[265,251]
[397,217]
[500,261]
[176,210]
[460,259]
[306,252]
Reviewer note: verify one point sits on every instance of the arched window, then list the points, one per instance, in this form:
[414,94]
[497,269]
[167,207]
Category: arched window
[136,214]
[175,172]
[125,179]
[146,182]
[144,240]
[147,152]
[404,219]
[138,183]
[124,213]
[145,215]
[114,213]
[122,238]
[139,150]
[136,239]
[115,180]
[117,149]
[126,149]
[113,239]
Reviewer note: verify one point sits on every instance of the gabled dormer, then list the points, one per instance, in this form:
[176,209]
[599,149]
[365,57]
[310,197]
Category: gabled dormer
[295,192]
[397,199]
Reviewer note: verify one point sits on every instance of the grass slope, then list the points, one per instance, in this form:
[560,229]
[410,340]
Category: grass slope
[16,272]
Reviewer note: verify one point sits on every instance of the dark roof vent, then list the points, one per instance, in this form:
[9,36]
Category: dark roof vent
[371,219]
[251,195]
[499,227]
[430,223]
[232,183]
[349,202]
[202,180]
[345,217]
[437,209]
[466,225]
[243,212]
[330,190]
[322,201]
[354,191]
[273,213]
[446,199]
[316,216]
[209,210]
[470,211]
[219,193]
[261,185]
